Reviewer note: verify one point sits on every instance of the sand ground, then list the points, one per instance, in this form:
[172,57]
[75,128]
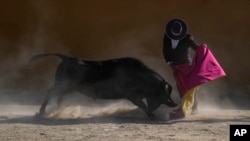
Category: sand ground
[19,123]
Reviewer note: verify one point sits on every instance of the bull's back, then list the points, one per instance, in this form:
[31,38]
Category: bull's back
[109,79]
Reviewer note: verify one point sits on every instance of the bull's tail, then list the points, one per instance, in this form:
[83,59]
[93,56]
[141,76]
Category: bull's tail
[48,54]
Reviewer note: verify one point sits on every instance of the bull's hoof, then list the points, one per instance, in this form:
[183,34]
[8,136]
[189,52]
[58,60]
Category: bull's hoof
[40,114]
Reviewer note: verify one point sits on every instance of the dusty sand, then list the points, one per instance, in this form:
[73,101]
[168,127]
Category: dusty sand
[116,122]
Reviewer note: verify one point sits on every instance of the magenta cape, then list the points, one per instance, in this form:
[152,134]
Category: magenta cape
[203,69]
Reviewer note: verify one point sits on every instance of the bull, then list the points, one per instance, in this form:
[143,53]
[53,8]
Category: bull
[122,78]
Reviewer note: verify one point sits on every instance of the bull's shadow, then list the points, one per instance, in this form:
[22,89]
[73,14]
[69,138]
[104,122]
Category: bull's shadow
[135,116]
[116,119]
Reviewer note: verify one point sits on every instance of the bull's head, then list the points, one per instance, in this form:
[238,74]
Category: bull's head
[167,96]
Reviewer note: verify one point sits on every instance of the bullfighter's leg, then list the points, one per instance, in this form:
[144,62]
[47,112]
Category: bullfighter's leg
[142,105]
[195,106]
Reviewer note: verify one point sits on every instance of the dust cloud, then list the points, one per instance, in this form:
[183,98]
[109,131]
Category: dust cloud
[99,30]
[107,30]
[114,108]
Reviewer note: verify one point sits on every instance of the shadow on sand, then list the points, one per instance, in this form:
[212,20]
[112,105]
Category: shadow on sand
[131,116]
[242,119]
[128,116]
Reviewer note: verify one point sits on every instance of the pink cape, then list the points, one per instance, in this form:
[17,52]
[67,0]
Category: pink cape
[204,68]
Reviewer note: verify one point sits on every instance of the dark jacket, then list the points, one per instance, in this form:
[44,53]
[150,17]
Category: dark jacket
[181,54]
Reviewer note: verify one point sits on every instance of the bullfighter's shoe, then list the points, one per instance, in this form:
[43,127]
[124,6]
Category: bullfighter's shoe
[177,114]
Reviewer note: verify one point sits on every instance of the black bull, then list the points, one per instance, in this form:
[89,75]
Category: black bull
[124,78]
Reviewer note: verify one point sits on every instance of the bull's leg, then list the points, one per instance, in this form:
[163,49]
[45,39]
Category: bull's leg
[53,91]
[59,101]
[142,105]
[60,98]
[153,104]
[45,102]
